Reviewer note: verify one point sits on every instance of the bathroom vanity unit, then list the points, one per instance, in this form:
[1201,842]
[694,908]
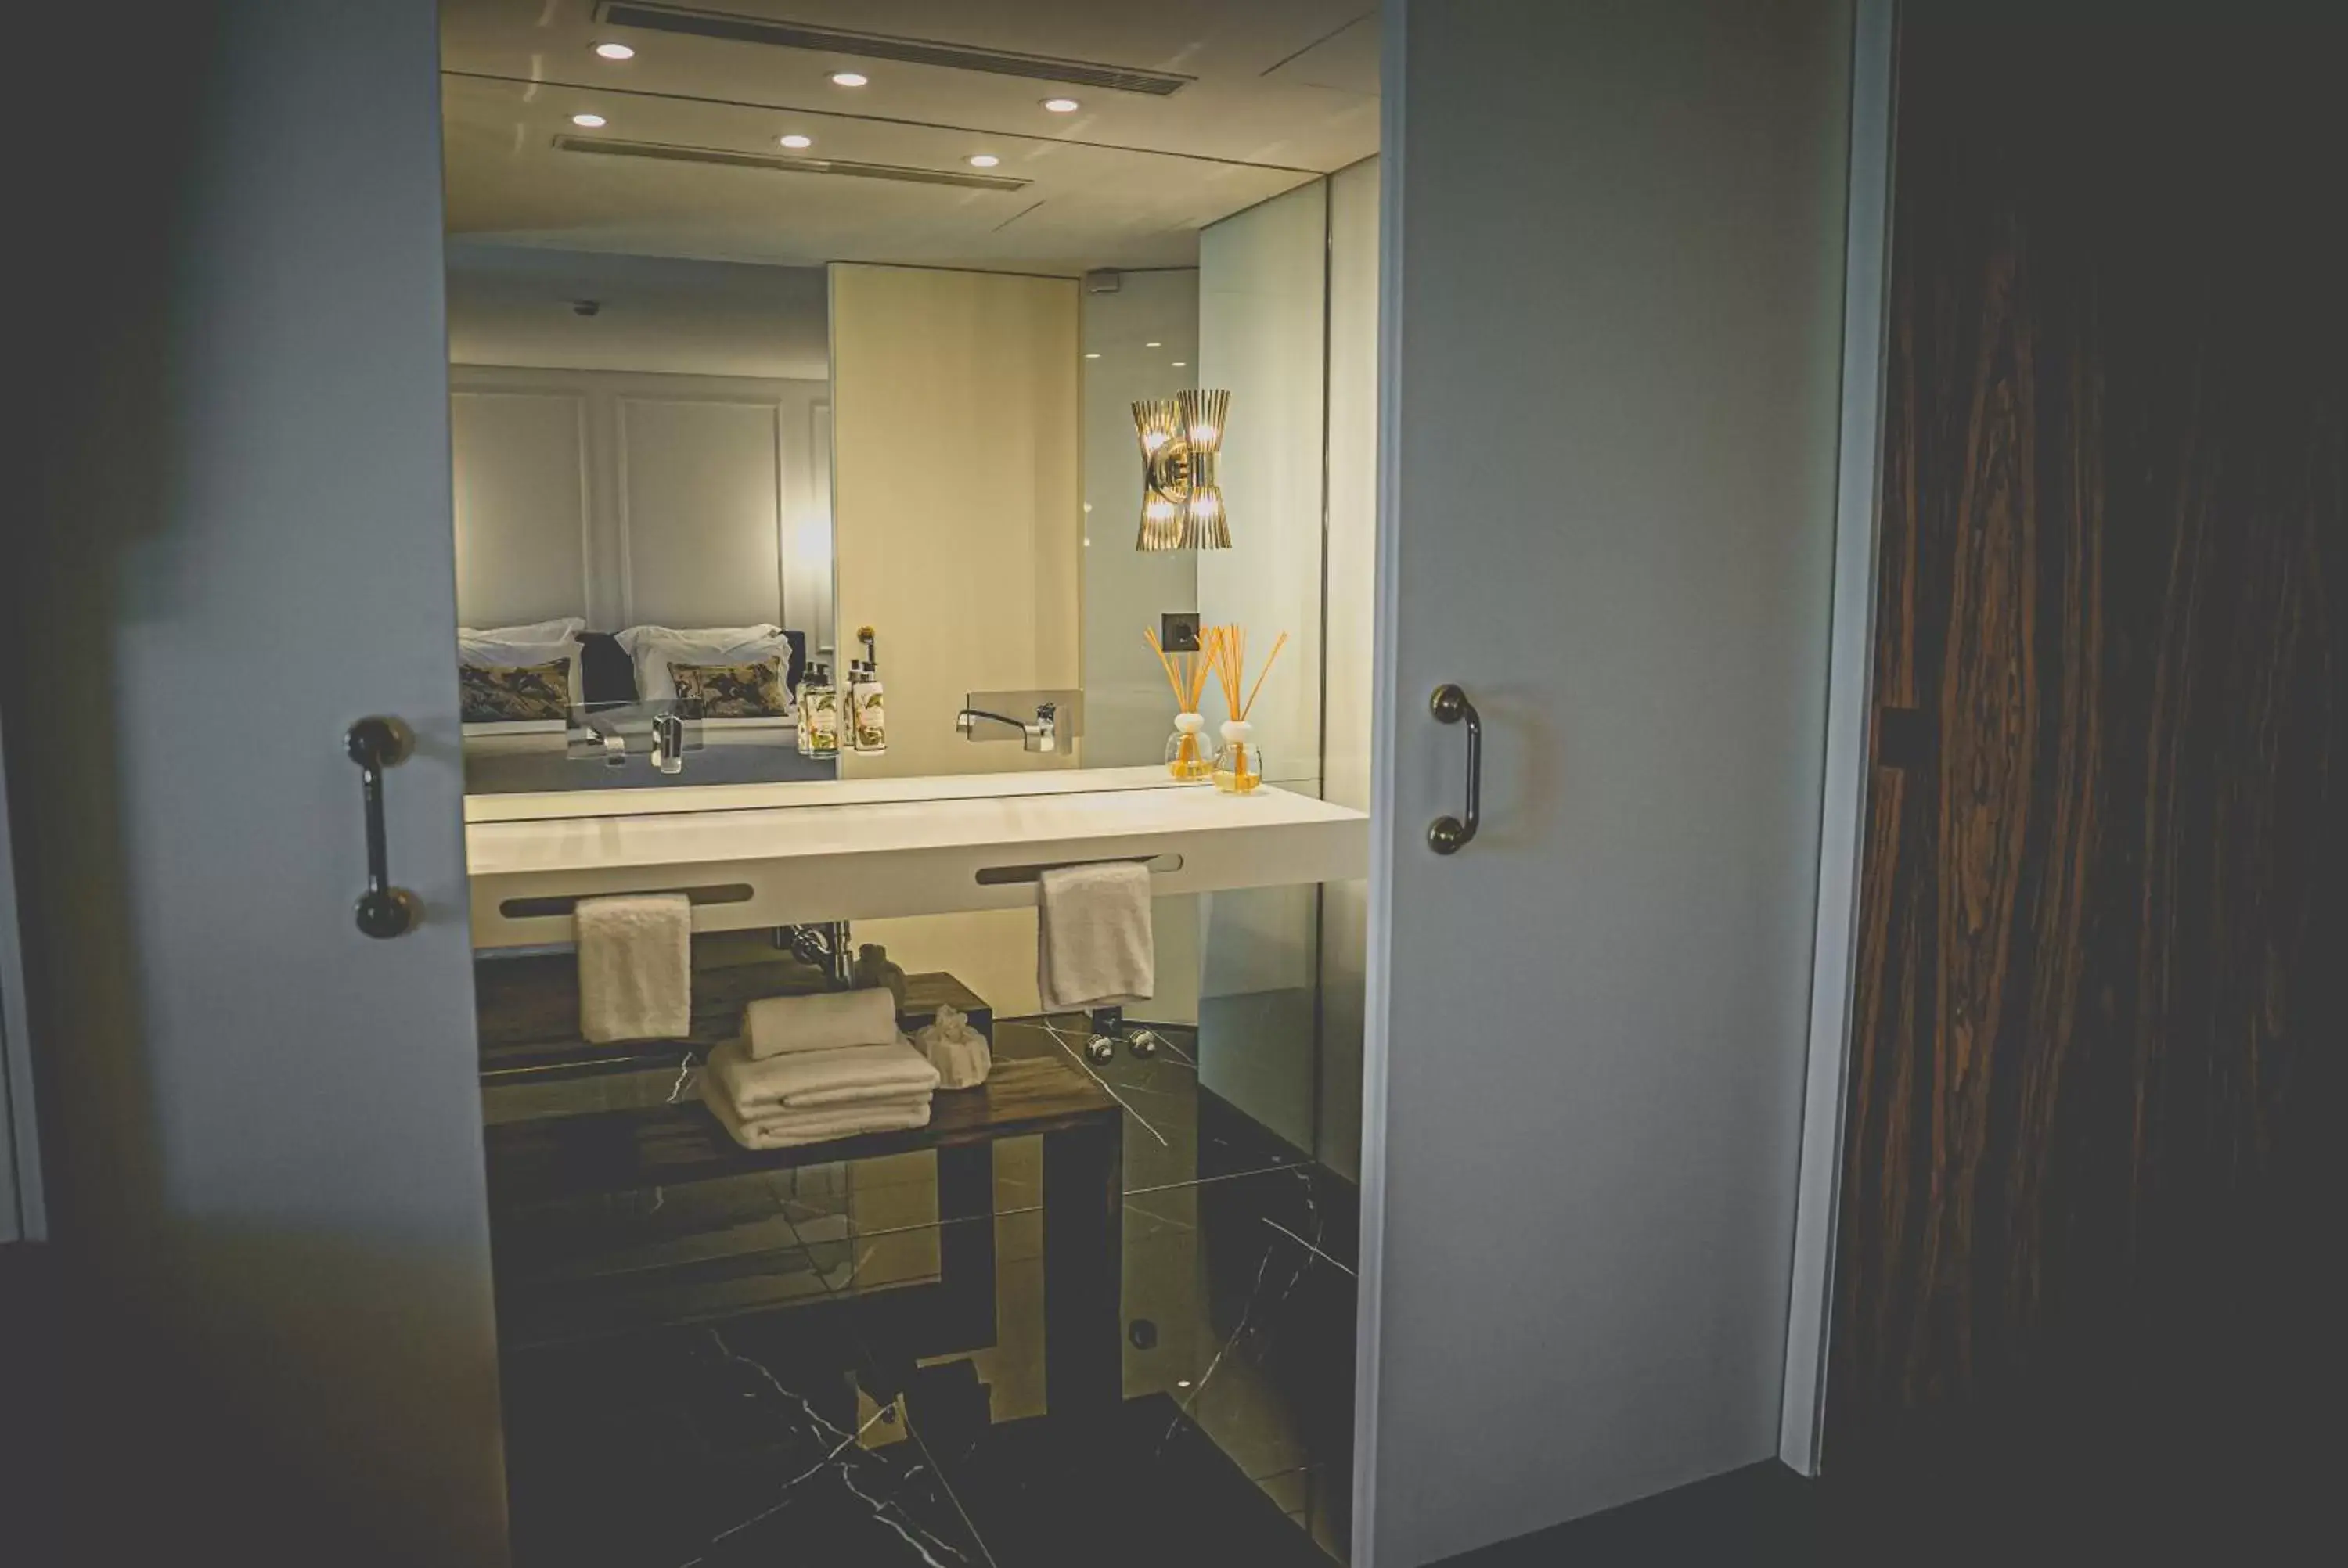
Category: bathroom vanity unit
[761,855]
[793,855]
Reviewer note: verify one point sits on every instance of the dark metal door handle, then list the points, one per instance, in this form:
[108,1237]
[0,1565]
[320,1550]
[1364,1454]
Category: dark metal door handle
[375,744]
[1448,834]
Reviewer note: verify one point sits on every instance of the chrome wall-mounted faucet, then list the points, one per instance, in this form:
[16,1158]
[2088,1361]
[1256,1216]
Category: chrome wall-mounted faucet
[669,743]
[1041,733]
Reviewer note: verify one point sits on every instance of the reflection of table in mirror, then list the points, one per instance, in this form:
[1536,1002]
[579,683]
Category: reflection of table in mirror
[536,756]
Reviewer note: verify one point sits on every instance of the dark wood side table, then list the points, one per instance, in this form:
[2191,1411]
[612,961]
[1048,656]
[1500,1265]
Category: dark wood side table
[549,1158]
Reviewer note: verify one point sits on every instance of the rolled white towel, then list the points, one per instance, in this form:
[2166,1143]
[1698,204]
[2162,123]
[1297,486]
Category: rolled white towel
[826,1021]
[807,1080]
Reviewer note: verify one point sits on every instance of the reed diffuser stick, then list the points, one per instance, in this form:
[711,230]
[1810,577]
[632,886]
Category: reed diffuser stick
[1278,644]
[1178,681]
[1209,638]
[1230,651]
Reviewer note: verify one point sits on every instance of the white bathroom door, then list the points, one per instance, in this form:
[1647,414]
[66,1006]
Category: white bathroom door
[1612,242]
[261,1125]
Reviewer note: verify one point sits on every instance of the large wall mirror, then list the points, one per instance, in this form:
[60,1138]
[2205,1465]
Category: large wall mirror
[781,398]
[792,339]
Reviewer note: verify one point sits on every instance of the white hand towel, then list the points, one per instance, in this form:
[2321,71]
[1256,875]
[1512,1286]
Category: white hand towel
[789,1129]
[826,1021]
[635,967]
[805,1080]
[1093,942]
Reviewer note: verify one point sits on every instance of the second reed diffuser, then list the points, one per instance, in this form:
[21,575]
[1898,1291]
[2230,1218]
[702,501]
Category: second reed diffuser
[1239,766]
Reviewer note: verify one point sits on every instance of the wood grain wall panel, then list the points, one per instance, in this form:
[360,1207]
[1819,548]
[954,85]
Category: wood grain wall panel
[2092,1149]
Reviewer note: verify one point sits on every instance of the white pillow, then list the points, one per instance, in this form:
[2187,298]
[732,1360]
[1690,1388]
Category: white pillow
[510,646]
[728,635]
[654,648]
[568,626]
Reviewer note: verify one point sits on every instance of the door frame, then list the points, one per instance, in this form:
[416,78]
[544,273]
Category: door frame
[1851,694]
[1387,615]
[1842,807]
[23,1212]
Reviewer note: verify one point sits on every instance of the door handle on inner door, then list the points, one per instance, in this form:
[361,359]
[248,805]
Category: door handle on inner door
[1448,834]
[375,744]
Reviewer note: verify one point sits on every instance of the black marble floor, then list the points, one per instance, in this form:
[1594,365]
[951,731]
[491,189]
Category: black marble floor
[777,1369]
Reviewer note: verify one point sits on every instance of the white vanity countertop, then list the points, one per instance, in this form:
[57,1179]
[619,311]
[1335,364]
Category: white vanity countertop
[853,852]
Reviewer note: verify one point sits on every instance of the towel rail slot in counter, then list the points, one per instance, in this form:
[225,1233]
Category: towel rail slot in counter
[1008,875]
[568,903]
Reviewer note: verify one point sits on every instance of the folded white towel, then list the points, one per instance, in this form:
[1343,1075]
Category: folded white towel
[1093,942]
[807,1080]
[635,967]
[789,1129]
[826,1021]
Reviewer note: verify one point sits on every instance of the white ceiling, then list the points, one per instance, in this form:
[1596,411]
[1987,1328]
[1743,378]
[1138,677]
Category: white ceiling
[1285,89]
[510,306]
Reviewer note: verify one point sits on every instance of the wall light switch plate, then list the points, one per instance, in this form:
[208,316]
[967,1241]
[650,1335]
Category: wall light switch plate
[1178,632]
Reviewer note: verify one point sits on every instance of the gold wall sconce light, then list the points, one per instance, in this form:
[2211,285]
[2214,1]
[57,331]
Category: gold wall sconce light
[1182,504]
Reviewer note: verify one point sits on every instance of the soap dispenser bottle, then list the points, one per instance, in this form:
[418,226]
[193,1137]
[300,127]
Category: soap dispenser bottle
[823,715]
[874,968]
[868,722]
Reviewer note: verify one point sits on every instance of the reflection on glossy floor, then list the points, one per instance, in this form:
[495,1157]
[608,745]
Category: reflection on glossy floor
[790,1367]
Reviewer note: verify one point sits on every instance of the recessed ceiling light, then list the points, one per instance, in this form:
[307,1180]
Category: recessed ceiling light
[795,140]
[983,161]
[1061,106]
[616,51]
[1181,364]
[591,121]
[1153,344]
[848,78]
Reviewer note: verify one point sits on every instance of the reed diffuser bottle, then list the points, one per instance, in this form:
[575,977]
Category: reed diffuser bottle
[1239,766]
[1187,756]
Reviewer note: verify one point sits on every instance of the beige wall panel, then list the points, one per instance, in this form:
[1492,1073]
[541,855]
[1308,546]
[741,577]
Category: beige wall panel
[956,480]
[520,461]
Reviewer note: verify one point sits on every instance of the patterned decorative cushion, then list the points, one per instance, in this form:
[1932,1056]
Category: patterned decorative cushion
[731,691]
[502,693]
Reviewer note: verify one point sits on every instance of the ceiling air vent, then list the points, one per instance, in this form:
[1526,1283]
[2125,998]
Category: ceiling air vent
[725,24]
[676,152]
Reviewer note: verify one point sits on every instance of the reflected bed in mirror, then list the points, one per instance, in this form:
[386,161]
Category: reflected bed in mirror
[641,706]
